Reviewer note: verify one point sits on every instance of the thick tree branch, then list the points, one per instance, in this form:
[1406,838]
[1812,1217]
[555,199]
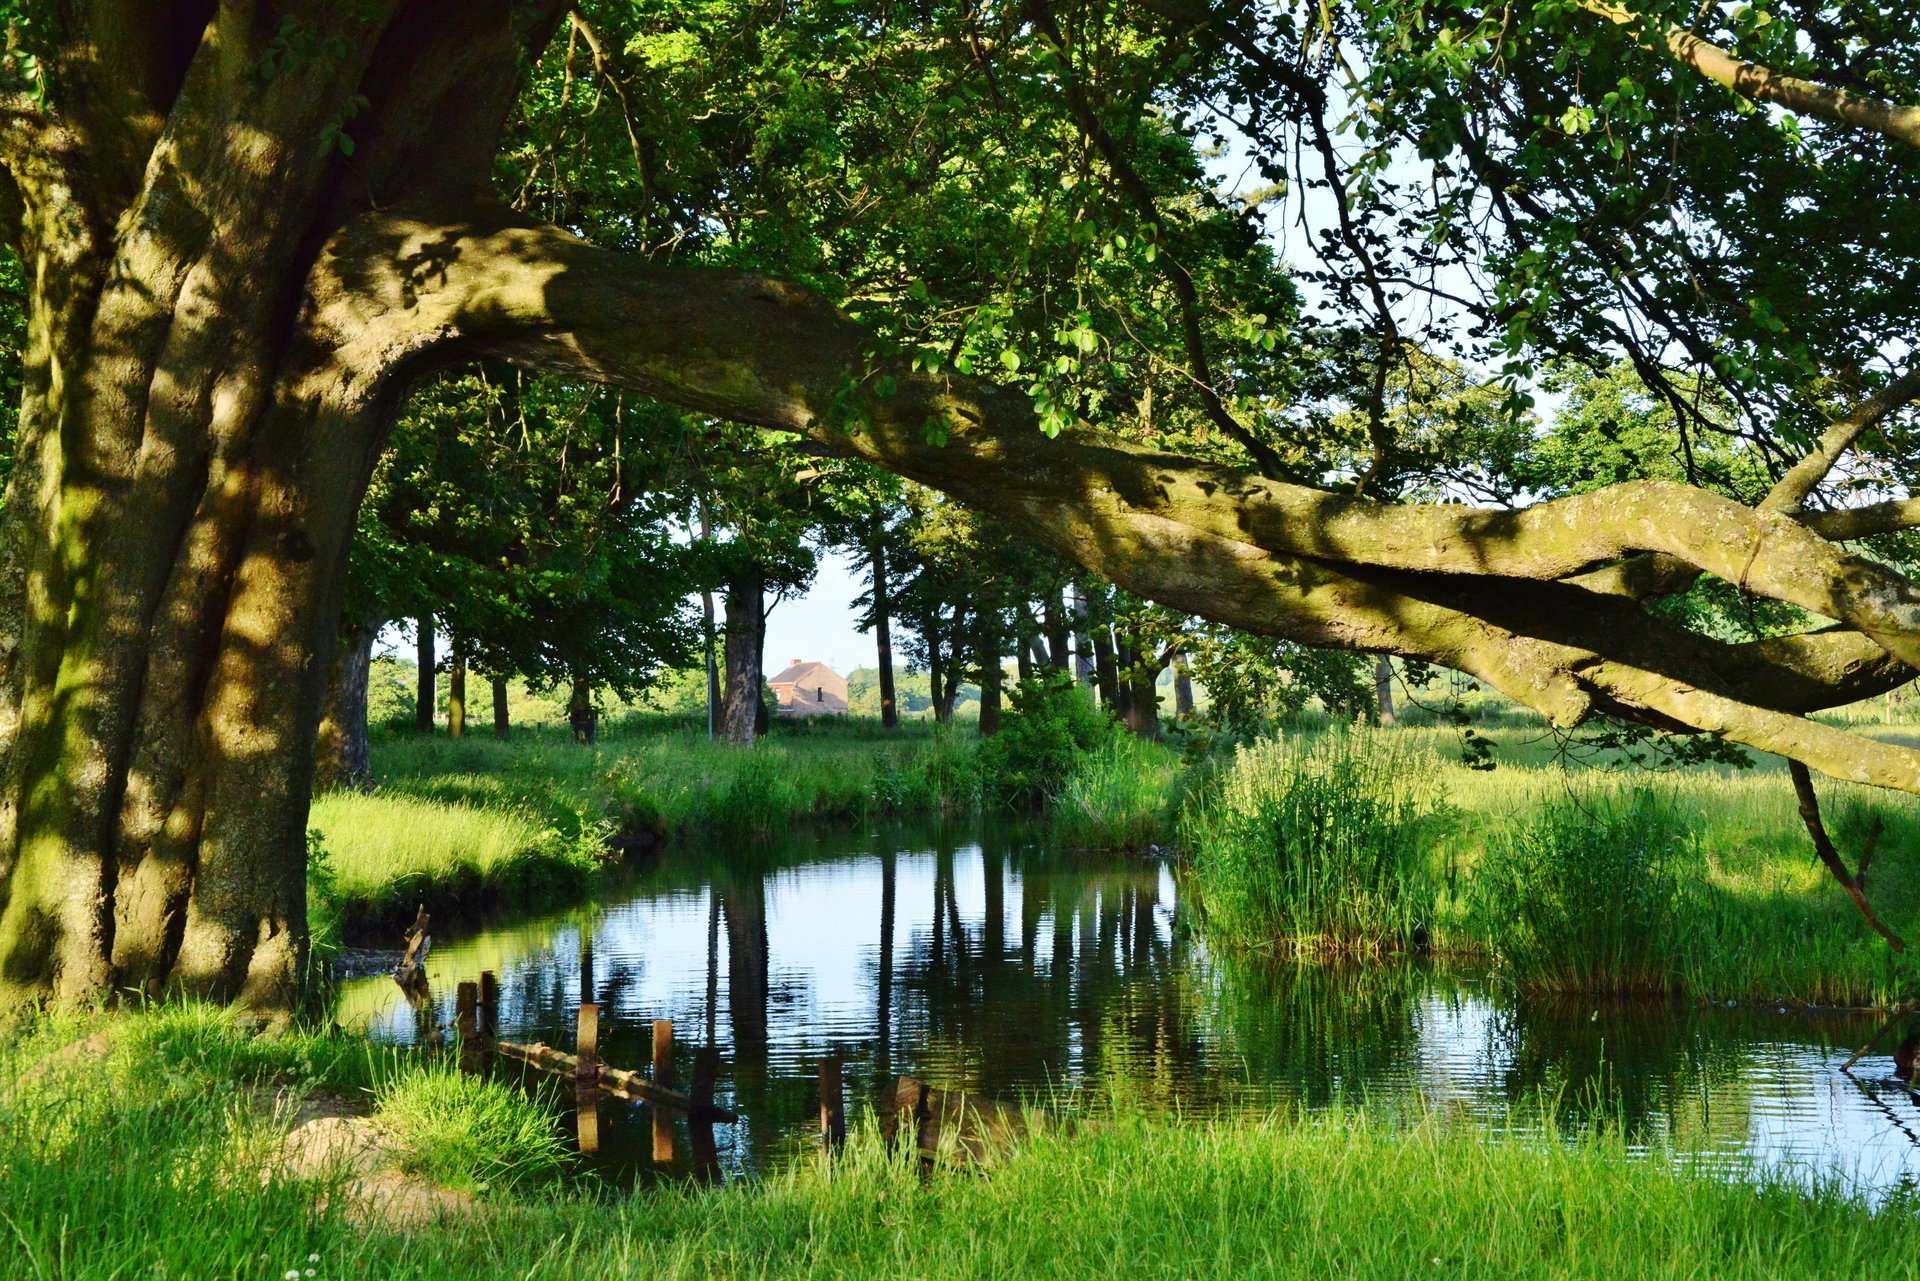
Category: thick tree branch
[1809,97]
[1469,589]
[1806,475]
[1823,846]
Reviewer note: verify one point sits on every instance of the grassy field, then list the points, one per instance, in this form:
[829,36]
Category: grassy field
[467,825]
[178,1172]
[1701,881]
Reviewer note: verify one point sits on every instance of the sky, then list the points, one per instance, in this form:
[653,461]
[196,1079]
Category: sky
[819,625]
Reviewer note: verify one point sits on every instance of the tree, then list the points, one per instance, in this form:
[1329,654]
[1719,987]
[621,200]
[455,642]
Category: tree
[247,230]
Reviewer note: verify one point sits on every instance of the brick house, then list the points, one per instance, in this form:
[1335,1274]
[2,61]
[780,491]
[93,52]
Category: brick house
[808,688]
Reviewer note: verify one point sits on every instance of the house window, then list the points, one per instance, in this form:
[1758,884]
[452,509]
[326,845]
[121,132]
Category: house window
[820,694]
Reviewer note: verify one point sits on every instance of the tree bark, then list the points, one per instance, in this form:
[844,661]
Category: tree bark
[992,677]
[582,715]
[1082,643]
[345,756]
[1383,688]
[456,691]
[502,722]
[1140,675]
[740,705]
[426,690]
[883,637]
[1055,618]
[1182,685]
[1106,673]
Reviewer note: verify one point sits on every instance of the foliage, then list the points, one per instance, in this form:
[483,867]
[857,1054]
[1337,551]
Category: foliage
[469,1133]
[1050,727]
[1321,845]
[1584,895]
[1119,796]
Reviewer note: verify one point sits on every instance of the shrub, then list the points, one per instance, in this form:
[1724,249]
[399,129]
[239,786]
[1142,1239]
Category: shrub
[1049,726]
[1320,847]
[1584,896]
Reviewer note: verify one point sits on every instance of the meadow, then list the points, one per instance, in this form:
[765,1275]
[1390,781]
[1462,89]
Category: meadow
[194,1136]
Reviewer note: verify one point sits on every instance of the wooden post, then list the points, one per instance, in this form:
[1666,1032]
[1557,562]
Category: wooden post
[706,1156]
[663,1077]
[489,1018]
[587,1044]
[833,1104]
[586,1077]
[466,1020]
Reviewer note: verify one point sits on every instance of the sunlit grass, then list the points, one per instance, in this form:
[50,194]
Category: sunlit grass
[179,1180]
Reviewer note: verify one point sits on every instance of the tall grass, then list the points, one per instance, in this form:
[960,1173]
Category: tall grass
[1319,845]
[380,854]
[178,1182]
[1117,798]
[469,1134]
[1585,895]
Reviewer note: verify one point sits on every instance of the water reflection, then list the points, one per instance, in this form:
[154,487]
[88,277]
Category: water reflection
[980,960]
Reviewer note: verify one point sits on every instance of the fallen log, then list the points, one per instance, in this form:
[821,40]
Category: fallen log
[615,1081]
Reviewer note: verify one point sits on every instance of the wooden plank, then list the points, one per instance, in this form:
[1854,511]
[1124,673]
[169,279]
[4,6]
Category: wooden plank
[616,1081]
[833,1104]
[662,1079]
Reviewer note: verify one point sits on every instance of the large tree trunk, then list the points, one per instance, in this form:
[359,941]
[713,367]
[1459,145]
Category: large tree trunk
[582,715]
[1082,642]
[883,637]
[426,688]
[1055,619]
[992,677]
[740,705]
[344,755]
[502,722]
[708,639]
[1141,677]
[1383,688]
[1182,685]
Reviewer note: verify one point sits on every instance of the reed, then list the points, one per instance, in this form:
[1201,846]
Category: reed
[1319,844]
[1585,894]
[1117,797]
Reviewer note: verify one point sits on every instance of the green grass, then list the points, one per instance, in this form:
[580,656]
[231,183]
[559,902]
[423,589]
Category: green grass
[1319,844]
[469,1134]
[1118,797]
[1755,916]
[466,825]
[174,1179]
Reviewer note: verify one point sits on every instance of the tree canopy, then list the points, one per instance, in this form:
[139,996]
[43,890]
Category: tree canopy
[1190,293]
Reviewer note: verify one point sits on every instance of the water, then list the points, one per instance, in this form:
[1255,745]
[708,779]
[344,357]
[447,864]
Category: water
[979,960]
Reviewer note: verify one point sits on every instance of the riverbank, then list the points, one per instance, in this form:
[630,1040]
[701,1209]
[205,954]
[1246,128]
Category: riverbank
[471,825]
[180,1171]
[1698,882]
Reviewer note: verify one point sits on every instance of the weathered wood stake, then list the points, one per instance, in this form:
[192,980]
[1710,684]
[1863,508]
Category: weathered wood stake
[586,1077]
[466,1022]
[833,1104]
[663,1078]
[706,1155]
[489,1018]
